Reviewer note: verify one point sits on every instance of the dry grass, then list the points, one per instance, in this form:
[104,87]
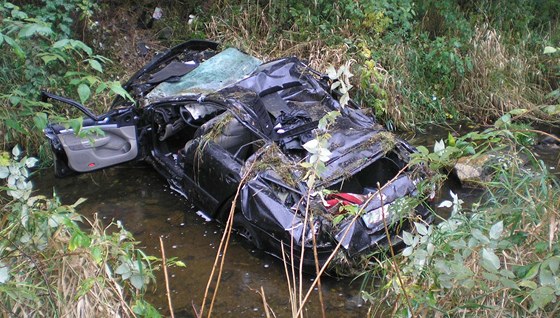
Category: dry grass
[501,79]
[251,30]
[59,283]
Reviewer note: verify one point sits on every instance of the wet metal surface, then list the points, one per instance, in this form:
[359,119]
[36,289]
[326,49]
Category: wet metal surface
[139,198]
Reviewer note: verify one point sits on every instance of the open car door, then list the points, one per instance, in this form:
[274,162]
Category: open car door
[103,141]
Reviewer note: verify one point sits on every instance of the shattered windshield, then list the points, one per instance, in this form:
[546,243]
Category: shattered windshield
[219,71]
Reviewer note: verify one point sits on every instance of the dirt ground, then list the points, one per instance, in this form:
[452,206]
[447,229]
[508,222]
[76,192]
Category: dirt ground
[126,33]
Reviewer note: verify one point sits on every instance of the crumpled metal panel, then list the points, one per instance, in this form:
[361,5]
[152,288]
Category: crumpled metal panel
[261,207]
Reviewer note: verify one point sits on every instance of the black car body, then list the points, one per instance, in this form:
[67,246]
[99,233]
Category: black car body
[211,122]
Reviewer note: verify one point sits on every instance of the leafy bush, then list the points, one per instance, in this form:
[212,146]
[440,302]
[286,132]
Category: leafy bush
[500,257]
[36,55]
[51,267]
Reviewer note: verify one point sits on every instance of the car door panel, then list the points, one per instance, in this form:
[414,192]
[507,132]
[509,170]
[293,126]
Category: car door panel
[96,151]
[103,140]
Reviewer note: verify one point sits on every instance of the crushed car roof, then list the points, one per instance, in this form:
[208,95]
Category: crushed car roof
[219,71]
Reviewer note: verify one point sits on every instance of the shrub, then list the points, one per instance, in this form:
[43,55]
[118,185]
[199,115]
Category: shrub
[499,257]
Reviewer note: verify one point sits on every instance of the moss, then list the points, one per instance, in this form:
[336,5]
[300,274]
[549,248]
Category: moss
[272,158]
[386,139]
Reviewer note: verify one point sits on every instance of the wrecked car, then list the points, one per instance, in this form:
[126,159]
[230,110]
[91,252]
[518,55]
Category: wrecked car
[214,121]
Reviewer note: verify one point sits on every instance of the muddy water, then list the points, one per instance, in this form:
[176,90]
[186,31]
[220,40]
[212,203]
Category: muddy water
[138,197]
[141,200]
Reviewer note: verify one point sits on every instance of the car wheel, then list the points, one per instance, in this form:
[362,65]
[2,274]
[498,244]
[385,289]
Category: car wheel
[246,230]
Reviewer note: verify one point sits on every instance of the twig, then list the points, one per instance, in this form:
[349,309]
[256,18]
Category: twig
[265,304]
[397,269]
[222,250]
[166,278]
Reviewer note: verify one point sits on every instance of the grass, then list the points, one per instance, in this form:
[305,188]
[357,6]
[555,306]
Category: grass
[490,259]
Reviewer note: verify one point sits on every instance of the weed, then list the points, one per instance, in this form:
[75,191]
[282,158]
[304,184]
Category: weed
[51,267]
[497,258]
[37,57]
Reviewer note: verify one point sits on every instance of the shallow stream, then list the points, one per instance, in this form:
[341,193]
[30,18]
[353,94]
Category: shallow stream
[138,197]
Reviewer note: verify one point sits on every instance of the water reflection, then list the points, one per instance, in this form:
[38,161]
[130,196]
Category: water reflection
[139,198]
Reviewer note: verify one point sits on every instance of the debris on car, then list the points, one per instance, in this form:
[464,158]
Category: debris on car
[213,121]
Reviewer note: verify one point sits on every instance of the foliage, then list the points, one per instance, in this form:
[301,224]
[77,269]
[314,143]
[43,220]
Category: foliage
[37,53]
[498,257]
[554,96]
[48,263]
[483,263]
[416,61]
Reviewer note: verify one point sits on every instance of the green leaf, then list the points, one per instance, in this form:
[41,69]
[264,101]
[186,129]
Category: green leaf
[490,276]
[554,263]
[144,309]
[47,58]
[407,251]
[546,278]
[95,65]
[15,100]
[84,92]
[97,254]
[101,87]
[124,270]
[85,287]
[31,162]
[469,150]
[408,239]
[34,28]
[528,283]
[532,272]
[72,44]
[423,150]
[40,120]
[421,228]
[13,124]
[503,121]
[17,49]
[116,88]
[541,247]
[549,50]
[82,240]
[518,111]
[477,234]
[489,256]
[541,297]
[451,140]
[496,230]
[76,124]
[137,280]
[4,273]
[4,172]
[331,72]
[508,283]
[16,151]
[337,219]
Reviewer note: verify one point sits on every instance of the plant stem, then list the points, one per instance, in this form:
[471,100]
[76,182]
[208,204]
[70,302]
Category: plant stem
[166,278]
